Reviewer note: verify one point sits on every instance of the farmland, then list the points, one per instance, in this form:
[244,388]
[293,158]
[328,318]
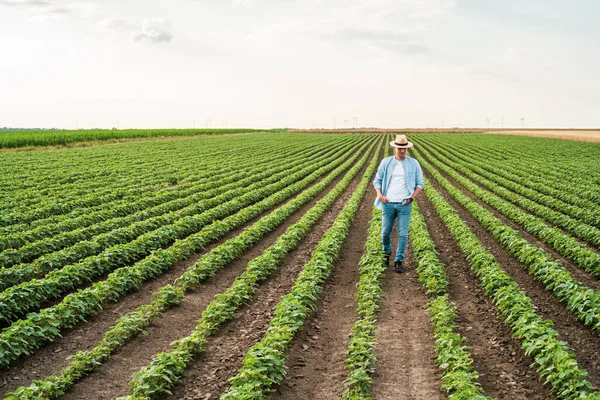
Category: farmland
[249,266]
[58,137]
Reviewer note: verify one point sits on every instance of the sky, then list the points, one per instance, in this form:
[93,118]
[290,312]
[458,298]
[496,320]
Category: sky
[302,64]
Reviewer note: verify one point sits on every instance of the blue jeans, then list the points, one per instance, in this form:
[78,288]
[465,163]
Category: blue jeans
[390,212]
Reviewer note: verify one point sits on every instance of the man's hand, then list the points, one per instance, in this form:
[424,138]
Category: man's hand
[408,201]
[380,196]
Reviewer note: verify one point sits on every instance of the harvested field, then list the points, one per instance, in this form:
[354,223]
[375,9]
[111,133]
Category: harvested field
[568,134]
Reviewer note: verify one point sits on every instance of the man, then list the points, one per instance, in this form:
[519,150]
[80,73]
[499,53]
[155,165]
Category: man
[398,182]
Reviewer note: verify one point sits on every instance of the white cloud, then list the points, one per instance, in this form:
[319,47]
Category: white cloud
[348,57]
[27,3]
[244,3]
[117,24]
[155,30]
[395,26]
[426,10]
[43,9]
[379,39]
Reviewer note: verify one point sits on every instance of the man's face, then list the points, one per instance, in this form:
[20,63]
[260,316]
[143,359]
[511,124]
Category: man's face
[400,153]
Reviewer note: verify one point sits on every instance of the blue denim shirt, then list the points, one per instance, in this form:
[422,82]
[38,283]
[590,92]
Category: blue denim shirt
[412,171]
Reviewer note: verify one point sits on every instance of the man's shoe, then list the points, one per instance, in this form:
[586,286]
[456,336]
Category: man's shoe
[398,267]
[387,259]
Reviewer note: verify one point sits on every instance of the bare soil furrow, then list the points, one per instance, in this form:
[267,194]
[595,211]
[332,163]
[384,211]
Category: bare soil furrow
[316,358]
[576,271]
[207,375]
[585,343]
[51,358]
[176,322]
[505,370]
[405,367]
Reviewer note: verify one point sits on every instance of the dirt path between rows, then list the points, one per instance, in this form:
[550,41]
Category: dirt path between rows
[576,271]
[405,367]
[51,358]
[207,375]
[113,378]
[580,338]
[584,342]
[529,237]
[505,371]
[316,358]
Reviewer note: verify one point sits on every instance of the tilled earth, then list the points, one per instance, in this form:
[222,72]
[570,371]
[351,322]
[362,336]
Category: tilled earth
[405,367]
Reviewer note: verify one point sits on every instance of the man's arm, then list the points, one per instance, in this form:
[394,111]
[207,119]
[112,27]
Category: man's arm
[377,183]
[420,185]
[378,177]
[380,196]
[420,180]
[414,195]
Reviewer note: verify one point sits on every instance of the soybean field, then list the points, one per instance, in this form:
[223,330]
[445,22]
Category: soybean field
[249,266]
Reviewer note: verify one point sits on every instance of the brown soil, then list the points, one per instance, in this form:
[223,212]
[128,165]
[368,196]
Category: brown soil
[316,358]
[405,367]
[567,134]
[575,270]
[505,371]
[207,375]
[179,321]
[583,341]
[51,358]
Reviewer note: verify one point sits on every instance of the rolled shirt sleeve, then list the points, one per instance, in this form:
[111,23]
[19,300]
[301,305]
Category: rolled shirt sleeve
[377,182]
[420,181]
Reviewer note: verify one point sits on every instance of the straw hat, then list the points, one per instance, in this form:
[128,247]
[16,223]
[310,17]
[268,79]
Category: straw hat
[401,142]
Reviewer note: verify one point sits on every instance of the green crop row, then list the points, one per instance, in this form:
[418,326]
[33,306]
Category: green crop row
[537,176]
[19,216]
[556,362]
[166,368]
[38,328]
[515,184]
[136,321]
[562,243]
[263,365]
[360,363]
[582,301]
[561,160]
[432,273]
[50,193]
[143,221]
[19,299]
[88,170]
[47,207]
[573,226]
[22,138]
[508,169]
[26,233]
[123,173]
[453,356]
[184,167]
[34,185]
[73,206]
[28,169]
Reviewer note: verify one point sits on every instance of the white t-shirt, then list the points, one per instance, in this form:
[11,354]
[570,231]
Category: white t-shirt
[398,191]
